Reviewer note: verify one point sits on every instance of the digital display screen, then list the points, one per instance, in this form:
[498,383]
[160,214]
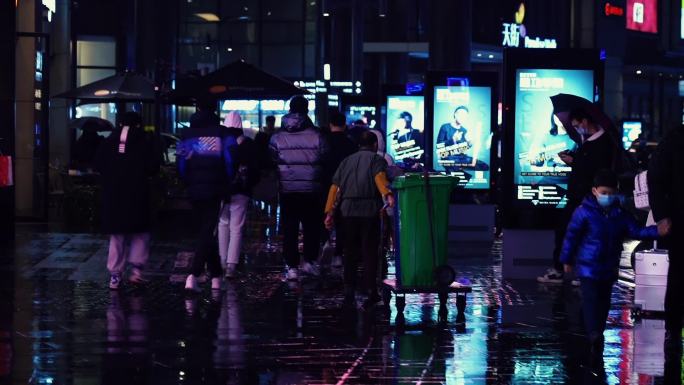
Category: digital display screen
[462,133]
[405,129]
[366,114]
[642,15]
[630,132]
[540,177]
[681,23]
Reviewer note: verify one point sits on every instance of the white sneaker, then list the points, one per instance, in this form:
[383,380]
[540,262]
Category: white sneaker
[292,274]
[337,261]
[311,269]
[575,282]
[115,281]
[231,270]
[551,276]
[216,283]
[191,284]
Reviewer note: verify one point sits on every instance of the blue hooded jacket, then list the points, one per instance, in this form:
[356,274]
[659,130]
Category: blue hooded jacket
[593,242]
[205,157]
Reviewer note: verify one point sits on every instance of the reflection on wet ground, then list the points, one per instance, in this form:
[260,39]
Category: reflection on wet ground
[59,324]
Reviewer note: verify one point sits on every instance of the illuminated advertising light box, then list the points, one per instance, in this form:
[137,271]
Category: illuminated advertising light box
[405,136]
[681,23]
[642,15]
[540,176]
[462,133]
[367,114]
[631,130]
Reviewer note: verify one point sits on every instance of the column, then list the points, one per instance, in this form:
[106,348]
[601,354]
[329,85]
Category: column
[450,34]
[7,33]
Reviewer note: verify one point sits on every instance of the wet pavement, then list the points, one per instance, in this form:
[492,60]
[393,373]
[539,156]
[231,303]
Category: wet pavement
[60,324]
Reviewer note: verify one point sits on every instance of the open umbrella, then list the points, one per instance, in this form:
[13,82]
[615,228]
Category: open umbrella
[91,124]
[125,87]
[238,80]
[564,104]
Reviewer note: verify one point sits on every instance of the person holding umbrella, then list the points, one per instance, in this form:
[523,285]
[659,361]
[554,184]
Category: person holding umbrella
[595,152]
[125,162]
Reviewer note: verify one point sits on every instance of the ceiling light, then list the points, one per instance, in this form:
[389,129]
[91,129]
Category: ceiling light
[230,49]
[326,14]
[382,15]
[210,17]
[479,54]
[491,56]
[638,72]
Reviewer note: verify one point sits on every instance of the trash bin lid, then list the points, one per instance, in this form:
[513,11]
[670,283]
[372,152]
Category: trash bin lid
[417,180]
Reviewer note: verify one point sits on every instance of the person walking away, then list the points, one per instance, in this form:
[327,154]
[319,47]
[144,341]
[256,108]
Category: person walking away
[666,198]
[234,210]
[595,153]
[126,161]
[300,150]
[592,248]
[205,162]
[261,141]
[359,187]
[340,148]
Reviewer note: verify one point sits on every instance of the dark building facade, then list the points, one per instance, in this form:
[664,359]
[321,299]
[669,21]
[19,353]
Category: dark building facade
[61,44]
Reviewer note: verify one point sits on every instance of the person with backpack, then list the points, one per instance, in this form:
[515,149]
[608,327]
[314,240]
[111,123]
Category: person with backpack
[205,159]
[126,160]
[234,210]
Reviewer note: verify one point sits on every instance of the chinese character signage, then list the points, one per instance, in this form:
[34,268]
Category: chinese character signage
[515,34]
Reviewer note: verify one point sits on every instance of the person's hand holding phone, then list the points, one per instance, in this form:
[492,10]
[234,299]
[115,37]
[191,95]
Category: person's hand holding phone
[566,157]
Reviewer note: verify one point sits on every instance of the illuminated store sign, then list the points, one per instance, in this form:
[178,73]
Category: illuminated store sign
[642,15]
[515,34]
[613,10]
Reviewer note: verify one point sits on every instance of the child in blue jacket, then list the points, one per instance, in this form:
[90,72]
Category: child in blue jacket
[593,246]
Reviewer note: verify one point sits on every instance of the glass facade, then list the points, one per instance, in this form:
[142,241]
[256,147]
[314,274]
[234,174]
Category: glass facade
[214,33]
[95,60]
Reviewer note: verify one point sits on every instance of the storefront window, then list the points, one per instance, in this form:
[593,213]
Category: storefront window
[95,60]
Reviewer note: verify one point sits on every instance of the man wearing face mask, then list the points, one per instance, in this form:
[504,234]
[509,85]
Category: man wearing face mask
[594,153]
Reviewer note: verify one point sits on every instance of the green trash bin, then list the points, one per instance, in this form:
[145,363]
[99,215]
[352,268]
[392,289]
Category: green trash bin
[413,243]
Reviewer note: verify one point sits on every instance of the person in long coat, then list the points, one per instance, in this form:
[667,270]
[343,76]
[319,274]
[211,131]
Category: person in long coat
[126,160]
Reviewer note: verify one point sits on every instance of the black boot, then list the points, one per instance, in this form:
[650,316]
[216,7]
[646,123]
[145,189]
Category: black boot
[596,344]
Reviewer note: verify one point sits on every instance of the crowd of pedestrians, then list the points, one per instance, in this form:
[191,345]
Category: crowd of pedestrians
[338,181]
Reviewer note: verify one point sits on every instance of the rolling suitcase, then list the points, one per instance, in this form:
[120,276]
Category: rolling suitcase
[650,279]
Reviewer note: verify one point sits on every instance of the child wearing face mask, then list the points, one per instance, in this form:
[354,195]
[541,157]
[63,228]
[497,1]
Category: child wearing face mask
[592,248]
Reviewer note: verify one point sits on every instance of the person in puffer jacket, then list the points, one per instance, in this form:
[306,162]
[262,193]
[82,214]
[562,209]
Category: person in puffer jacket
[300,152]
[592,248]
[205,163]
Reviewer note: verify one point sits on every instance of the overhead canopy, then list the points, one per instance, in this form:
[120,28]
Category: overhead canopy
[125,87]
[238,80]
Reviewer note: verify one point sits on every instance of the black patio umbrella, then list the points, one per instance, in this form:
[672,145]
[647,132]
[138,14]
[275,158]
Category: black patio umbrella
[238,80]
[91,124]
[125,87]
